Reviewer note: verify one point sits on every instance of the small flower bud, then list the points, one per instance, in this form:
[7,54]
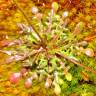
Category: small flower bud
[34,10]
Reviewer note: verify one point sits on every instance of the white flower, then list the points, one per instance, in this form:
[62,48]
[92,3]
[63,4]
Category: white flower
[65,14]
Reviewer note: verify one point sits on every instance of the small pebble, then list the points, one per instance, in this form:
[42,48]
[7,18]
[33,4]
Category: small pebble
[28,83]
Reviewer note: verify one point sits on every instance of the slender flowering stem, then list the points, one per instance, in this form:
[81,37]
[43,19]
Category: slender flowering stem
[76,62]
[30,24]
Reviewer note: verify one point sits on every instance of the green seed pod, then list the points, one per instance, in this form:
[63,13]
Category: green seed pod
[60,81]
[57,89]
[68,76]
[55,6]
